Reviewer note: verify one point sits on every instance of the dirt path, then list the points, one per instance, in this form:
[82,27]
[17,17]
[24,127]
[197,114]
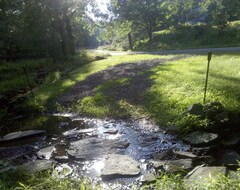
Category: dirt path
[138,73]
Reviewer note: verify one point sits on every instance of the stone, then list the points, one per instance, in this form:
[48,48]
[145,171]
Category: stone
[62,171]
[228,157]
[61,158]
[111,131]
[181,154]
[201,173]
[196,109]
[90,148]
[199,138]
[169,154]
[77,132]
[230,141]
[22,134]
[37,166]
[46,153]
[63,124]
[201,151]
[148,177]
[116,165]
[172,166]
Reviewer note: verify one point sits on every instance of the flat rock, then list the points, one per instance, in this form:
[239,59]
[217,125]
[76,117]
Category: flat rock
[169,154]
[199,138]
[174,165]
[63,124]
[228,157]
[148,177]
[61,158]
[77,132]
[91,148]
[46,153]
[22,134]
[182,154]
[111,131]
[37,166]
[201,173]
[117,165]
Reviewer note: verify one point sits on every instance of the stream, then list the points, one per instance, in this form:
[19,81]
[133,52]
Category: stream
[83,144]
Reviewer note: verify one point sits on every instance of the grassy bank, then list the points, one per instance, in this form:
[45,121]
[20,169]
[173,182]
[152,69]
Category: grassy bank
[44,180]
[175,86]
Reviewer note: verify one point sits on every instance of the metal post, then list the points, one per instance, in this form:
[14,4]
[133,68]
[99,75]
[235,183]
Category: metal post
[206,81]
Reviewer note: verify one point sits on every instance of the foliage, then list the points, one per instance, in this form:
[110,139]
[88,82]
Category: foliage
[43,180]
[38,29]
[175,181]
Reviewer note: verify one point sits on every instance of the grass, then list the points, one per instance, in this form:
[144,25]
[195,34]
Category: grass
[176,85]
[192,36]
[20,180]
[44,180]
[47,93]
[177,182]
[180,84]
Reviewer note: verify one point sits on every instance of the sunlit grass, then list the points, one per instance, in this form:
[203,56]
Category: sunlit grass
[181,83]
[47,93]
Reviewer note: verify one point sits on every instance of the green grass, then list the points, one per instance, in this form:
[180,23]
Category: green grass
[192,36]
[20,180]
[180,84]
[177,182]
[176,85]
[47,93]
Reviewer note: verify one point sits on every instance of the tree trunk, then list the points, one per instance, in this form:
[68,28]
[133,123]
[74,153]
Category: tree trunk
[130,41]
[69,36]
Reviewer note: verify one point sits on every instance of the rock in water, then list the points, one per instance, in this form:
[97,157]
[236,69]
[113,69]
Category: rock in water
[117,165]
[21,134]
[37,166]
[91,148]
[46,153]
[199,138]
[173,166]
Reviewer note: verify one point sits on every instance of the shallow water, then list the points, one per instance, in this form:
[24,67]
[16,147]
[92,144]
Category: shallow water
[144,140]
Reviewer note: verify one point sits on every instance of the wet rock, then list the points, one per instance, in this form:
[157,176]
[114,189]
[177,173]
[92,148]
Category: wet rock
[201,173]
[62,171]
[169,154]
[148,177]
[207,160]
[61,158]
[196,109]
[75,132]
[117,165]
[173,166]
[230,141]
[201,151]
[63,124]
[46,153]
[22,134]
[200,138]
[91,148]
[10,153]
[181,154]
[228,157]
[111,131]
[37,166]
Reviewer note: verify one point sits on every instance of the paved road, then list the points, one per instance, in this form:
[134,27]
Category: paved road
[189,51]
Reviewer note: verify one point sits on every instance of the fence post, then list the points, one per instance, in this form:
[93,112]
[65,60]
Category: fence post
[206,81]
